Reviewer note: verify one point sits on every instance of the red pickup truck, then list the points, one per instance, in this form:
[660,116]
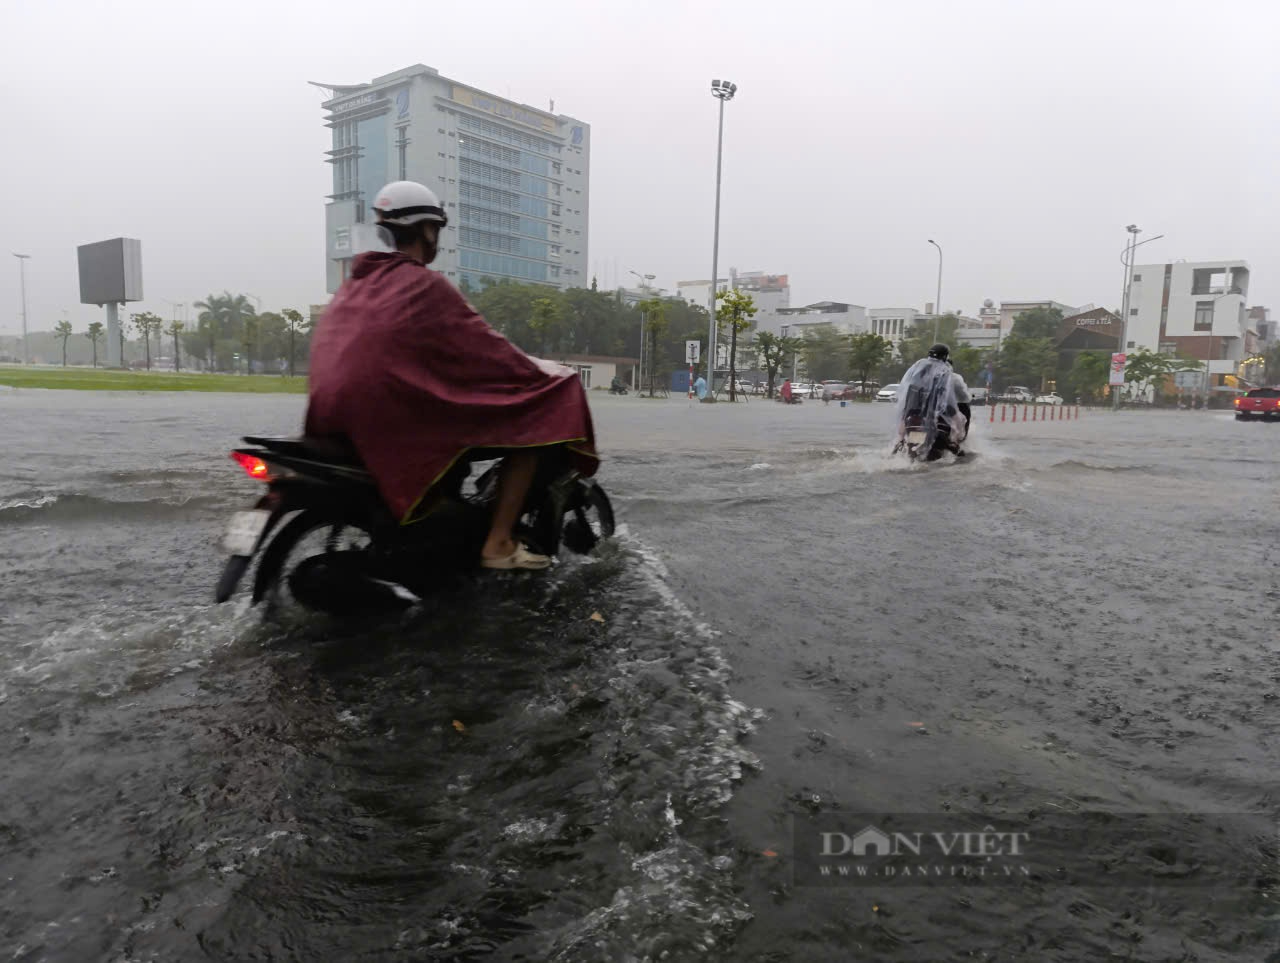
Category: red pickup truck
[1258,403]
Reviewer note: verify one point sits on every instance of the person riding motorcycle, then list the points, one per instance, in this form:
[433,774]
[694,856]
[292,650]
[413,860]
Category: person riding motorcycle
[933,398]
[407,373]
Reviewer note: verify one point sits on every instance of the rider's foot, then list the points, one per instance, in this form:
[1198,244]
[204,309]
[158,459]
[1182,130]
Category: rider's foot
[512,555]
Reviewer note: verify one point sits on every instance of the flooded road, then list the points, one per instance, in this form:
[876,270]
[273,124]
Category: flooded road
[607,763]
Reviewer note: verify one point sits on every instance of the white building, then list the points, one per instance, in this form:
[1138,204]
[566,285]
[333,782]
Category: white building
[699,292]
[1196,309]
[514,179]
[893,324]
[795,322]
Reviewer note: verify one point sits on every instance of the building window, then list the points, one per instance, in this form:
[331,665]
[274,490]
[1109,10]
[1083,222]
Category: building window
[402,145]
[1136,277]
[1132,311]
[1209,281]
[1204,315]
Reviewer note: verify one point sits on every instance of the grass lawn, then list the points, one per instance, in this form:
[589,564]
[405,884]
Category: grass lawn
[100,379]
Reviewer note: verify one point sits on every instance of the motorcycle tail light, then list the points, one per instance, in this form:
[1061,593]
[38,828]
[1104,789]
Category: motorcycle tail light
[253,466]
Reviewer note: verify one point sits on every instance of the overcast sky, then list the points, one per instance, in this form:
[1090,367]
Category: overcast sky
[1022,136]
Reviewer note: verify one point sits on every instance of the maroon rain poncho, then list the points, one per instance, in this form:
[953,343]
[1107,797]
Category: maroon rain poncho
[404,369]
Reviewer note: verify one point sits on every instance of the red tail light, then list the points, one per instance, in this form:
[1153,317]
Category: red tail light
[253,466]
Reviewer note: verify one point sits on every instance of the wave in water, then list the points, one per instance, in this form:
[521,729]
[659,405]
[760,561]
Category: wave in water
[51,508]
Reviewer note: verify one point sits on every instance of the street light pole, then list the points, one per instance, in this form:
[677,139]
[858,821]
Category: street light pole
[644,288]
[937,307]
[22,280]
[1128,256]
[722,90]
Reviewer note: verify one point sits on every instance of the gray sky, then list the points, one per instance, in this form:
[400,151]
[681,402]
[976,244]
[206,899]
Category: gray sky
[1023,136]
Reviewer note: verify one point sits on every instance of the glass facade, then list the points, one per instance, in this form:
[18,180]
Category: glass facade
[371,136]
[507,185]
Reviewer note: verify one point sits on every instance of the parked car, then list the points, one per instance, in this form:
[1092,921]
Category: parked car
[888,393]
[979,396]
[1017,394]
[1049,399]
[866,388]
[1258,403]
[835,390]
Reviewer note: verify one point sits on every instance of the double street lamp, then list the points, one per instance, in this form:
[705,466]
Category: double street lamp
[723,91]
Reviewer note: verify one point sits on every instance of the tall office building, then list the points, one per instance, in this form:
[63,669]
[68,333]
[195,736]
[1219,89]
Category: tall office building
[513,179]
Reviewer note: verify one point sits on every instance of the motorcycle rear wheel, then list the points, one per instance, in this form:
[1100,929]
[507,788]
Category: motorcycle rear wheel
[299,544]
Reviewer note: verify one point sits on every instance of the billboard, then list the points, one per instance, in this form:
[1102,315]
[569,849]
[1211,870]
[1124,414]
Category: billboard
[110,271]
[1117,370]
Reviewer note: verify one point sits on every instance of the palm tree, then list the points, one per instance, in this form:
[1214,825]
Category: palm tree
[223,316]
[63,330]
[93,334]
[175,329]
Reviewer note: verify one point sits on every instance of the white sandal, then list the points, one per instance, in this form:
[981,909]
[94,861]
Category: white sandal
[521,558]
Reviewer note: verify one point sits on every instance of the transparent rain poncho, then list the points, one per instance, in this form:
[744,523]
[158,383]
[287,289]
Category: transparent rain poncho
[928,391]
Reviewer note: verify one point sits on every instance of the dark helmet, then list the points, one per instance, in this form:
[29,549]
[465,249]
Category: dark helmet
[939,351]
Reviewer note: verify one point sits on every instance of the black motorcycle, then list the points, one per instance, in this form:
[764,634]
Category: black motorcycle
[617,388]
[323,537]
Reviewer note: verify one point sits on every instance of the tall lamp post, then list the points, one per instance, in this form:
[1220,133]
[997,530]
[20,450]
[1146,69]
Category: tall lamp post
[22,280]
[643,287]
[723,91]
[937,307]
[1127,257]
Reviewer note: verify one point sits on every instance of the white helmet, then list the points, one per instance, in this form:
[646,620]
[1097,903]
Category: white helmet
[402,203]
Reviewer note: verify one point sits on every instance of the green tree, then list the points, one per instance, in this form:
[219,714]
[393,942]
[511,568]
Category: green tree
[63,330]
[175,329]
[1028,361]
[1147,370]
[508,306]
[296,322]
[734,313]
[774,351]
[1089,374]
[547,323]
[144,323]
[221,324]
[826,353]
[968,362]
[867,352]
[1037,323]
[93,334]
[1273,365]
[272,341]
[248,339]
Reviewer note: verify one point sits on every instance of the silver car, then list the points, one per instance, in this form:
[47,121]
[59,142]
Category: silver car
[888,393]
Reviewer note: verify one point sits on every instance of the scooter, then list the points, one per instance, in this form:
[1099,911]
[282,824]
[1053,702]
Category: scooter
[617,389]
[915,439]
[322,536]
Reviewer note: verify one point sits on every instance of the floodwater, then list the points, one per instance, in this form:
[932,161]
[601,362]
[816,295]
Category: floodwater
[605,763]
